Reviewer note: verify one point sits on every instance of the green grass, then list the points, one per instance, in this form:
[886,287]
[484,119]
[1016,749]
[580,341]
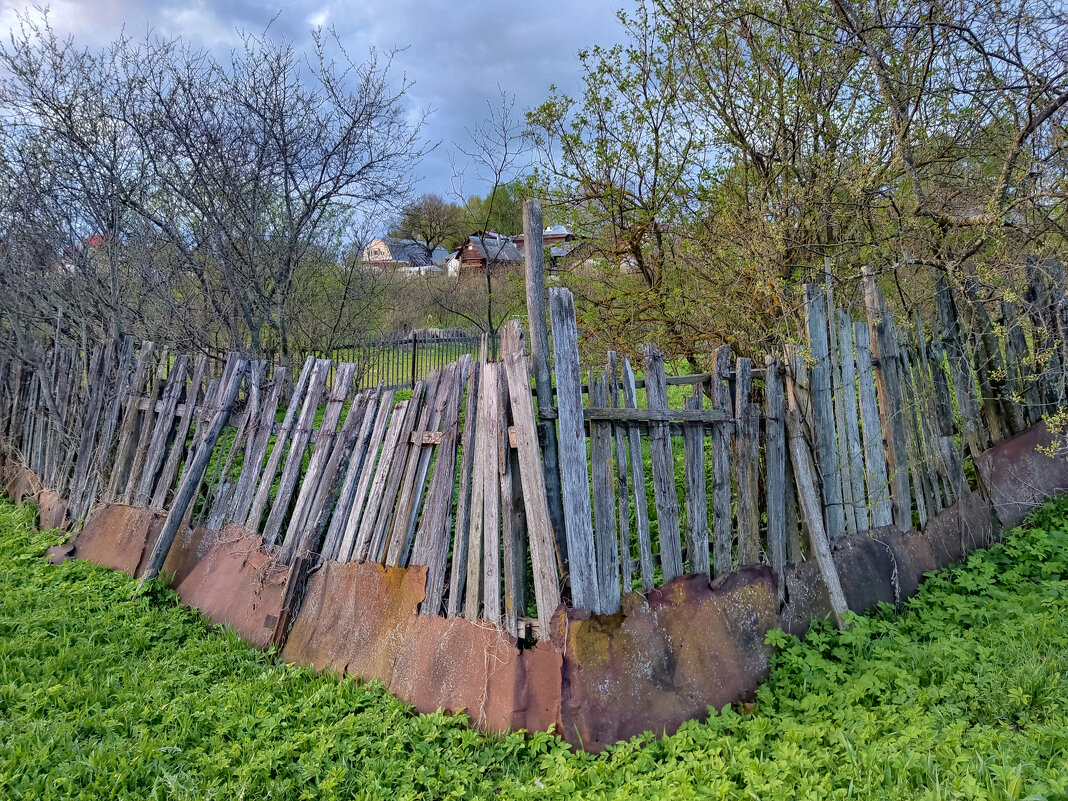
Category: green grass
[104,694]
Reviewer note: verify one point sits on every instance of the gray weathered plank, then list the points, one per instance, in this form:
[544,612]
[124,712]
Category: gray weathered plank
[696,492]
[574,473]
[604,502]
[663,466]
[263,492]
[879,505]
[721,470]
[539,529]
[891,402]
[298,442]
[775,469]
[637,476]
[458,570]
[853,454]
[747,465]
[822,421]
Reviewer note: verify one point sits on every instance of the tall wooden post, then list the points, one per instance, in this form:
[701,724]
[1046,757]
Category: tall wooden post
[534,259]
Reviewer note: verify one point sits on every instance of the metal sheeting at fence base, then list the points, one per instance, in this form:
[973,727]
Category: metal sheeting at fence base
[362,619]
[664,659]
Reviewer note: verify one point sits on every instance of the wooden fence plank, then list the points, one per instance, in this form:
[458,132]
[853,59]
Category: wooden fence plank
[960,370]
[164,424]
[129,420]
[383,504]
[496,443]
[539,530]
[323,444]
[663,466]
[259,502]
[259,437]
[337,544]
[747,464]
[879,505]
[813,513]
[824,432]
[622,488]
[432,538]
[393,452]
[775,470]
[891,403]
[722,544]
[696,493]
[191,478]
[604,502]
[637,476]
[302,432]
[458,573]
[849,437]
[574,473]
[174,457]
[473,584]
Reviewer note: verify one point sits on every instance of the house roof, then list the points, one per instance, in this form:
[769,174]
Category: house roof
[493,248]
[408,251]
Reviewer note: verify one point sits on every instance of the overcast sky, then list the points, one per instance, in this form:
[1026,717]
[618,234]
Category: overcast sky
[457,52]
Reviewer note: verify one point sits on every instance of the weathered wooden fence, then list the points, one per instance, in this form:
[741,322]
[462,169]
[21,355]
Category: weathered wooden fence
[865,424]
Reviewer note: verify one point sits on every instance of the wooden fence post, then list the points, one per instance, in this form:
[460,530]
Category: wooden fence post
[534,259]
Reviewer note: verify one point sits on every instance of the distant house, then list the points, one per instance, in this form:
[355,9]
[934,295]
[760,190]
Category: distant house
[487,249]
[562,248]
[406,255]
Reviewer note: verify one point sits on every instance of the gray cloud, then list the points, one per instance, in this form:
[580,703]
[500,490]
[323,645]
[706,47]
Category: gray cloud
[456,53]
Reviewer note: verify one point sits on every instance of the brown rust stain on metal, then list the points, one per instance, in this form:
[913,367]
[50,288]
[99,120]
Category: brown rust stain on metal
[237,584]
[664,660]
[116,536]
[362,619]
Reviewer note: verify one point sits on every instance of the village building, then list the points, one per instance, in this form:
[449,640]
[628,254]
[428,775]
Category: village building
[405,255]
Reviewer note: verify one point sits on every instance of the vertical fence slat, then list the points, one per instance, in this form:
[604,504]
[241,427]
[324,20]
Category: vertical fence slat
[574,472]
[882,513]
[604,501]
[721,469]
[663,466]
[822,421]
[637,475]
[775,469]
[622,488]
[696,493]
[536,503]
[891,411]
[458,573]
[747,459]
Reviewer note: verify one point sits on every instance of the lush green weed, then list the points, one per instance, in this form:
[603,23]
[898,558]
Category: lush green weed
[108,694]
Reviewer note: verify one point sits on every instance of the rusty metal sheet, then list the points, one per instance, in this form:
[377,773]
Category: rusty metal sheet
[664,660]
[51,511]
[189,547]
[117,535]
[362,619]
[22,483]
[961,528]
[1018,477]
[237,584]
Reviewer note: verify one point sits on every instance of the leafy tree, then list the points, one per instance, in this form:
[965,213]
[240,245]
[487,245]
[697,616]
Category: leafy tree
[431,221]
